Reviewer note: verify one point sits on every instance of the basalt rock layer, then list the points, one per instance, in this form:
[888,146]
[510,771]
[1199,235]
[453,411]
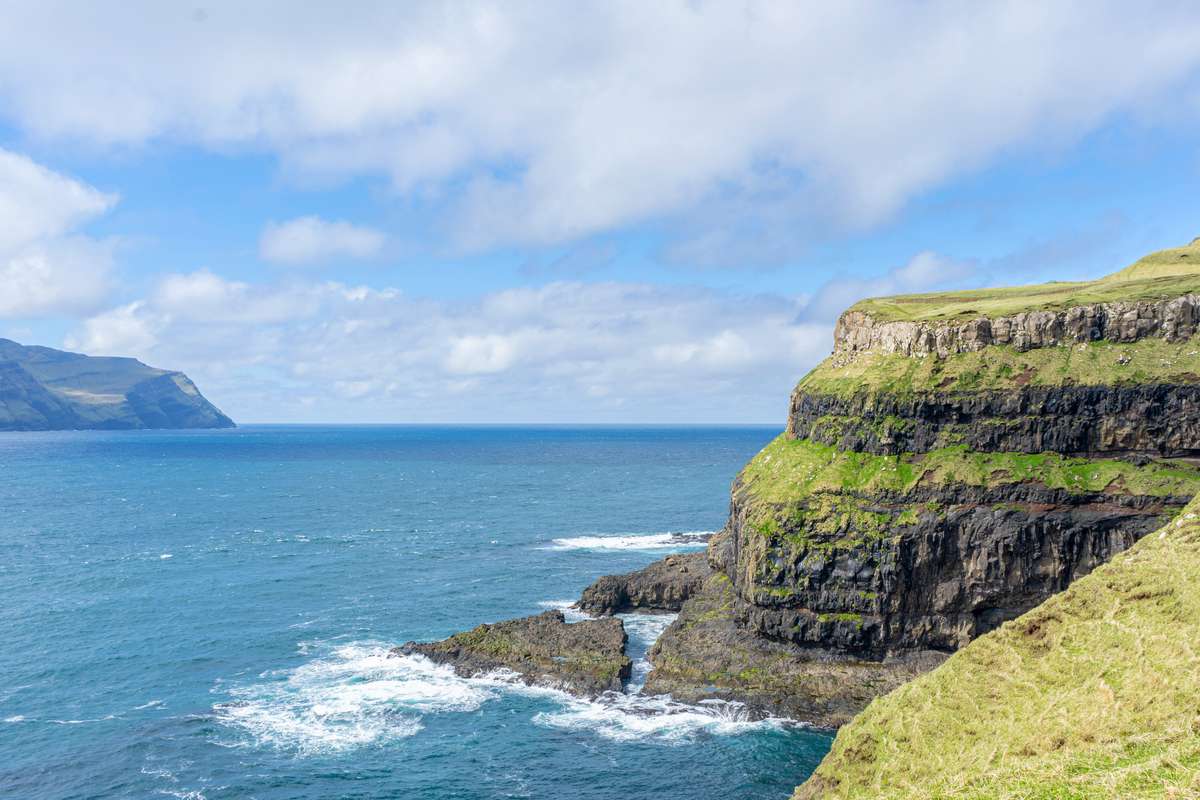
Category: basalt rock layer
[44,389]
[924,494]
[584,658]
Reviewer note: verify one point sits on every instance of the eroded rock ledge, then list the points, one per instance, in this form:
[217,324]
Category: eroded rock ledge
[660,588]
[584,658]
[1123,322]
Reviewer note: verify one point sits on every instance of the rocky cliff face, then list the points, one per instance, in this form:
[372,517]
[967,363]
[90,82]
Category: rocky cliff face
[1173,320]
[937,479]
[45,389]
[1151,420]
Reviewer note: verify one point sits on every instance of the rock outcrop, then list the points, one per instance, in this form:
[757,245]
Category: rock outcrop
[660,588]
[44,389]
[584,658]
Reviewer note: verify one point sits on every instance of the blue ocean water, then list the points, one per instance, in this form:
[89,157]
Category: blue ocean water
[207,614]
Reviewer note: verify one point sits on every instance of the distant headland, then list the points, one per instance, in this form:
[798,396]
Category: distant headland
[42,389]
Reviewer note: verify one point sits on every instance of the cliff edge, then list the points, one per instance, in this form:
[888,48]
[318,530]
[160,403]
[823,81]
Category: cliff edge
[958,460]
[42,389]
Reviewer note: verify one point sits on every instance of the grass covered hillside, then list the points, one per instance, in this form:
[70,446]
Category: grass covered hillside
[1170,272]
[1093,694]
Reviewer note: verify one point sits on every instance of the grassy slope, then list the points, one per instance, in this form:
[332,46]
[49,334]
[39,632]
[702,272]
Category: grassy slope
[1097,364]
[1165,272]
[786,472]
[1095,693]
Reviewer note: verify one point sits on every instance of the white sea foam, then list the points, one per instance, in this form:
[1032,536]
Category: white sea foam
[352,697]
[14,719]
[355,696]
[630,541]
[569,614]
[622,717]
[643,630]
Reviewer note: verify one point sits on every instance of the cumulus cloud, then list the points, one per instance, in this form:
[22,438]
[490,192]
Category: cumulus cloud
[748,127]
[310,239]
[44,268]
[565,351]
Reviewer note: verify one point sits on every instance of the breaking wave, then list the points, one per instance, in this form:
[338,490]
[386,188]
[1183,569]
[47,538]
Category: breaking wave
[652,541]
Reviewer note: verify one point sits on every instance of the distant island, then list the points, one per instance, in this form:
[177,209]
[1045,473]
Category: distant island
[42,389]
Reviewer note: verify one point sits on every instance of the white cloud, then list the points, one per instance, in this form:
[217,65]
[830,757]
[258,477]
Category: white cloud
[750,126]
[566,351]
[310,239]
[44,270]
[925,272]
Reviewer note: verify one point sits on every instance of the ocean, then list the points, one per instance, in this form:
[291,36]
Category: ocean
[207,614]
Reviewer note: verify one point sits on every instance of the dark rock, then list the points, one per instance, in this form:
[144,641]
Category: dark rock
[44,389]
[660,588]
[960,558]
[706,654]
[1159,420]
[584,658]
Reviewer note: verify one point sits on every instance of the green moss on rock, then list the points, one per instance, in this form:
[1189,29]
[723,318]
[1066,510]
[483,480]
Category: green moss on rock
[1147,361]
[791,473]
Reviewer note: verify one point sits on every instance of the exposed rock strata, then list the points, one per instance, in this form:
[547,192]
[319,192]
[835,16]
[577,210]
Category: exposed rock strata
[945,565]
[660,588]
[584,658]
[1174,320]
[1148,419]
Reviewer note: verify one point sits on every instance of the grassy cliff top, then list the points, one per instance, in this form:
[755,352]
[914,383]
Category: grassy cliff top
[1167,272]
[1095,693]
[1004,368]
[787,472]
[1176,261]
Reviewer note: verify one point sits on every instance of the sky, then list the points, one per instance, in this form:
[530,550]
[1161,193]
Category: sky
[547,212]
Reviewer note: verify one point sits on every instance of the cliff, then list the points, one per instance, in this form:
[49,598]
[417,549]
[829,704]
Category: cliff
[44,389]
[958,460]
[1092,694]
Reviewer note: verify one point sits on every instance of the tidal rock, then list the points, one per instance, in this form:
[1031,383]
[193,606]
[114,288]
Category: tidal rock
[707,654]
[660,588]
[584,658]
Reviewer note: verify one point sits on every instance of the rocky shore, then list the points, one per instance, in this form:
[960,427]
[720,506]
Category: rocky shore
[584,658]
[661,588]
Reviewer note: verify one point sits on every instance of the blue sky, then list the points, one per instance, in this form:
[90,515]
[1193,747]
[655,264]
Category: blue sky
[546,212]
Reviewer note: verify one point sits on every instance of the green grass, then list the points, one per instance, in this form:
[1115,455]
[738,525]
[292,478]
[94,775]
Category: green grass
[1094,694]
[1002,368]
[787,473]
[1176,261]
[1168,272]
